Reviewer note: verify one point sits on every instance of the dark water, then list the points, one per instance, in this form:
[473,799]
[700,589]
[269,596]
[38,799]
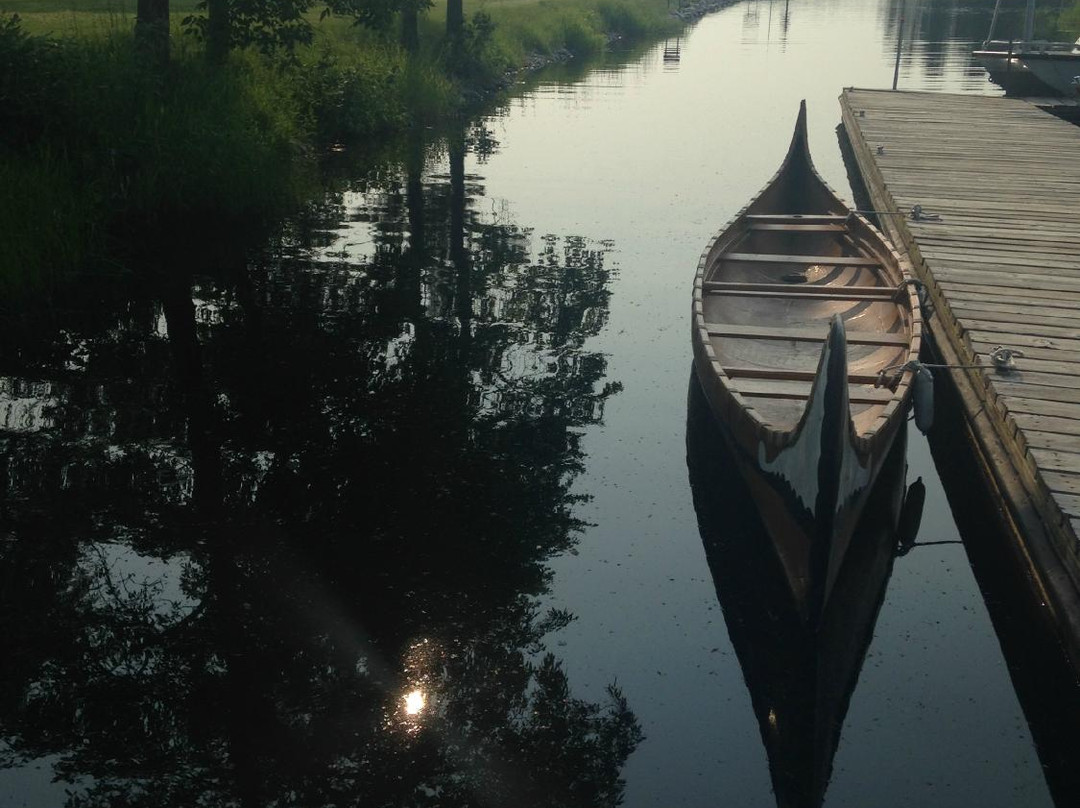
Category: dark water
[395,509]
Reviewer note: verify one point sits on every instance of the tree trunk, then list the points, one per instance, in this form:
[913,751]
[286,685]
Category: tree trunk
[217,31]
[455,20]
[410,29]
[152,30]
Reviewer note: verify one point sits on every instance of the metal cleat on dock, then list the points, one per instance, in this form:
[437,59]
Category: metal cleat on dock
[1004,358]
[917,214]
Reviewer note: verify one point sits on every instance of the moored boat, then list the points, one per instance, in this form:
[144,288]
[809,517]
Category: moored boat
[805,331]
[1032,68]
[1027,66]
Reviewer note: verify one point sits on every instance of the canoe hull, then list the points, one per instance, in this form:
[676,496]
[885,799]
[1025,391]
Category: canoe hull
[800,309]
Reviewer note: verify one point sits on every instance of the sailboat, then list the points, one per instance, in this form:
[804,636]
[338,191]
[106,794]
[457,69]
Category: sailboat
[1027,66]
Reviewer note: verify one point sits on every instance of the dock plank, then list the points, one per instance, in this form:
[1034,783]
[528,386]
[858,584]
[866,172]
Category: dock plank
[1002,267]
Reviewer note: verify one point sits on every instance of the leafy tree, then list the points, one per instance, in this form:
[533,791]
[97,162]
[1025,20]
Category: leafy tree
[266,24]
[471,52]
[379,15]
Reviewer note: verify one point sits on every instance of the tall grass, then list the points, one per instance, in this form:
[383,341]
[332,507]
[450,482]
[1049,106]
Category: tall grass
[1069,21]
[98,150]
[48,222]
[579,27]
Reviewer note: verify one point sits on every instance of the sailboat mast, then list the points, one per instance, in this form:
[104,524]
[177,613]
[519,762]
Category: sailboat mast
[993,22]
[1029,21]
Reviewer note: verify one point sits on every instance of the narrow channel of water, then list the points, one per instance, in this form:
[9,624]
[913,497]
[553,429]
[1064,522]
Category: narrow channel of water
[398,511]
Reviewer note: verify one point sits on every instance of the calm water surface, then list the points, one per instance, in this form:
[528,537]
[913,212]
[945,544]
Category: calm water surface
[398,511]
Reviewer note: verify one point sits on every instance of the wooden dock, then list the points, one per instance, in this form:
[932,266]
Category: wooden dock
[1002,267]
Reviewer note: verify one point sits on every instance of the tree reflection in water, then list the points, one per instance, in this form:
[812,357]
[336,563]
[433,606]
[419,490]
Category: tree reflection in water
[361,464]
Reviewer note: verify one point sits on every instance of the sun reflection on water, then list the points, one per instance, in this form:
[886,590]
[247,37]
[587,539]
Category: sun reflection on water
[414,702]
[413,705]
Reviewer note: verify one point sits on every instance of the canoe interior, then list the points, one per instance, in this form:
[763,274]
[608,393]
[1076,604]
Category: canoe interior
[778,398]
[774,278]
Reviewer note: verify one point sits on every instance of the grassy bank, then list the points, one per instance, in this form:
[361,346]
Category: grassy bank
[97,151]
[1069,21]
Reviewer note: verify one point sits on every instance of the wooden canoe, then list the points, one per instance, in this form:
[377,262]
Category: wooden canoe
[799,306]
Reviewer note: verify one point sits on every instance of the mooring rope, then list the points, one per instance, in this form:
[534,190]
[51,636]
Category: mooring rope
[926,305]
[1002,358]
[915,213]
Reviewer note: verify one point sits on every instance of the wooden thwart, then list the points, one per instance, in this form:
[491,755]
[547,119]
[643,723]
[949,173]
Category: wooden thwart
[805,260]
[798,227]
[822,291]
[802,334]
[790,375]
[795,218]
[768,388]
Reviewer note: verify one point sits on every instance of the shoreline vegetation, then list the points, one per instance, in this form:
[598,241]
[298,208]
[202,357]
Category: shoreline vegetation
[119,130]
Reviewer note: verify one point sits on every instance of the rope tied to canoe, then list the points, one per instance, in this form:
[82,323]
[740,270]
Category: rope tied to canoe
[1001,357]
[926,305]
[916,213]
[922,382]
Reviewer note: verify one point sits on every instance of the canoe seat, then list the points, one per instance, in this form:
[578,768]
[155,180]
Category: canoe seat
[797,227]
[768,388]
[804,291]
[782,374]
[803,334]
[796,218]
[805,260]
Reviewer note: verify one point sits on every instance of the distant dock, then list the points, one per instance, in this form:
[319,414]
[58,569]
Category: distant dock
[1002,267]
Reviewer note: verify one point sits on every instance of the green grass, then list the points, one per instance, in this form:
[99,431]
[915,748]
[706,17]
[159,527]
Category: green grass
[1069,21]
[48,223]
[95,146]
[98,149]
[522,25]
[577,26]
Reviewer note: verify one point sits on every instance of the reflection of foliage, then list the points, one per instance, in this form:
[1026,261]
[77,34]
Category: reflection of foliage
[396,435]
[162,722]
[482,142]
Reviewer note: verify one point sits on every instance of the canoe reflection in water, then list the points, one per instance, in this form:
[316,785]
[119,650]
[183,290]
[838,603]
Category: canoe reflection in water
[800,677]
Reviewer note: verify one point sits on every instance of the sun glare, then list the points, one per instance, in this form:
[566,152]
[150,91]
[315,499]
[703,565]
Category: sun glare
[414,702]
